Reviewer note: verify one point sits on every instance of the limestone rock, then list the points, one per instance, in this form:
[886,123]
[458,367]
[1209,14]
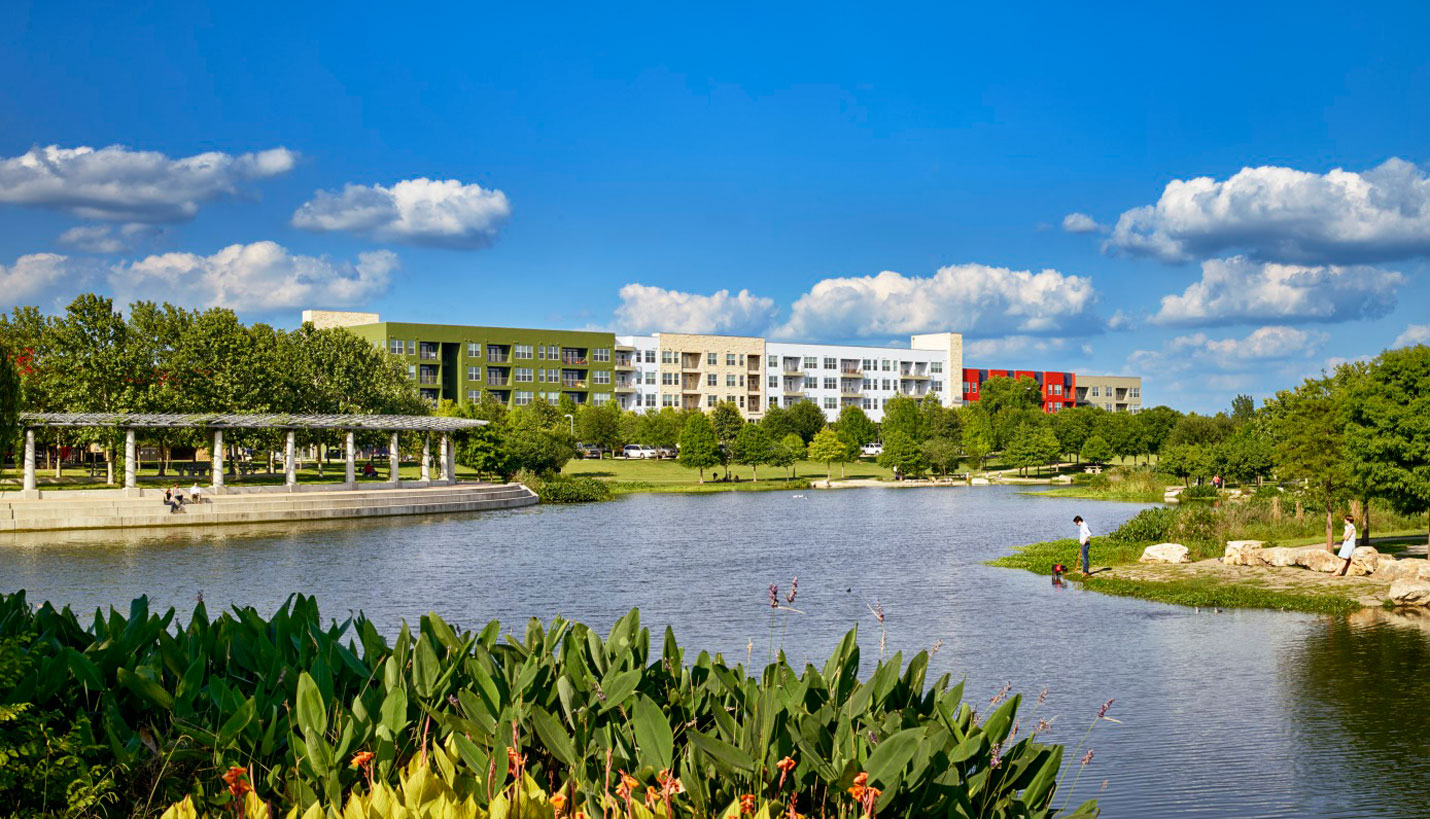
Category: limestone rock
[1279,556]
[1243,553]
[1363,561]
[1410,593]
[1388,568]
[978,482]
[1319,560]
[1165,553]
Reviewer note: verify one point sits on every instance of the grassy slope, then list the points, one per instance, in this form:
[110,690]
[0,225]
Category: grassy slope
[667,475]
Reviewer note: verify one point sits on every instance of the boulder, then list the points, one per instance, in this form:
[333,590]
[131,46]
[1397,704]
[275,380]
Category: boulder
[1388,568]
[1319,560]
[1363,561]
[1410,593]
[978,482]
[1243,553]
[1279,556]
[1165,553]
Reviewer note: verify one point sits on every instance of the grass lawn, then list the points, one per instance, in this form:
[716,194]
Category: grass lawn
[667,475]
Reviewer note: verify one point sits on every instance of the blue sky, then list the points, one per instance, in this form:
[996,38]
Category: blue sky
[1251,179]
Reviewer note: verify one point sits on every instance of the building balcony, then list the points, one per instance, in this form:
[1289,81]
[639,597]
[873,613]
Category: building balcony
[625,348]
[427,355]
[572,384]
[851,371]
[498,382]
[793,391]
[793,370]
[575,360]
[627,364]
[499,358]
[913,377]
[427,379]
[848,393]
[625,388]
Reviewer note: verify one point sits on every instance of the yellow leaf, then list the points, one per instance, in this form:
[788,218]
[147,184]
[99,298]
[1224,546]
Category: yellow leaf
[182,810]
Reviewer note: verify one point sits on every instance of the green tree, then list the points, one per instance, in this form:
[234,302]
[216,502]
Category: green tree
[938,421]
[1154,425]
[1243,408]
[726,420]
[777,423]
[1309,427]
[1246,456]
[599,424]
[1073,426]
[855,426]
[751,448]
[806,418]
[977,435]
[1048,448]
[1119,430]
[9,402]
[1182,461]
[999,393]
[903,453]
[1095,450]
[1387,433]
[827,448]
[1023,451]
[787,452]
[901,414]
[535,450]
[698,448]
[942,454]
[661,429]
[1201,430]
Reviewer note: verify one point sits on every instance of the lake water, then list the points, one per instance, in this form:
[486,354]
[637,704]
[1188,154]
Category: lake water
[1231,714]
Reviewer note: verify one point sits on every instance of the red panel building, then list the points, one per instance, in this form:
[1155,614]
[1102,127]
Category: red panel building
[1059,389]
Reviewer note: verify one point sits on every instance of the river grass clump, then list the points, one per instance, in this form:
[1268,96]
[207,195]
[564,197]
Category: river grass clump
[242,715]
[558,488]
[1122,483]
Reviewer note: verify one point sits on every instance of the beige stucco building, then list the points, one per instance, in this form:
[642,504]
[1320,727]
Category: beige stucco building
[700,371]
[1116,393]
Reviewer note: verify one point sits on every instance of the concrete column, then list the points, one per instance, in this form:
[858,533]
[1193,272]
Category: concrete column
[290,462]
[218,459]
[445,450]
[131,461]
[394,460]
[426,458]
[30,460]
[348,459]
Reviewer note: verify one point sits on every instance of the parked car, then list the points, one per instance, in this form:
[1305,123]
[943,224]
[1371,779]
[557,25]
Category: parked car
[638,451]
[669,451]
[589,451]
[872,450]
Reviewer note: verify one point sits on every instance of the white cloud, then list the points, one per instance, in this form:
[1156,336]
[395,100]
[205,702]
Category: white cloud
[1263,347]
[646,309]
[30,276]
[1282,214]
[983,349]
[107,238]
[1081,223]
[121,184]
[1241,290]
[258,276]
[970,298]
[1414,334]
[441,213]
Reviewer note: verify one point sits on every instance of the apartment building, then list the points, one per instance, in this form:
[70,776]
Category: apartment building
[692,371]
[836,376]
[514,366]
[1117,393]
[1058,388]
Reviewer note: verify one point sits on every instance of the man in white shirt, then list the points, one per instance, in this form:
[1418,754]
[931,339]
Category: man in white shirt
[1084,542]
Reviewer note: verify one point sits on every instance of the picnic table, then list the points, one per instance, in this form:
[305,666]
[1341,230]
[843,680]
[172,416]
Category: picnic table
[192,469]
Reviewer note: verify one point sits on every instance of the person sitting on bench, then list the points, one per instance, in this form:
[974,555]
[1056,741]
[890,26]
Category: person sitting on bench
[196,493]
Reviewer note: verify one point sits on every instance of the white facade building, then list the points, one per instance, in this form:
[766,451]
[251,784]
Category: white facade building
[637,376]
[834,376]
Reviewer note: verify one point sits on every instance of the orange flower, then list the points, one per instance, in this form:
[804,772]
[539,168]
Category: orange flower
[558,802]
[580,814]
[786,765]
[747,804]
[237,779]
[514,761]
[675,786]
[361,758]
[857,789]
[652,798]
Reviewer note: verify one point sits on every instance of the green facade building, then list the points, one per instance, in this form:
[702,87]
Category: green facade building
[460,363]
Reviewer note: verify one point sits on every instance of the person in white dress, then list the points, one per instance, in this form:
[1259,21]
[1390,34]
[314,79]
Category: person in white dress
[1348,545]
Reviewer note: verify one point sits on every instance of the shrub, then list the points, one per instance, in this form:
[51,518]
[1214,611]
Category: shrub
[1202,492]
[1148,526]
[564,489]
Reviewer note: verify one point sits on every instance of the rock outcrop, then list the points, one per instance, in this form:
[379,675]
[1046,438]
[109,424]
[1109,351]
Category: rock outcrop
[1243,553]
[1165,553]
[1279,556]
[1319,560]
[1410,592]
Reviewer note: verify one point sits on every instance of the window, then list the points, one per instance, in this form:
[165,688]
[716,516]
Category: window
[650,399]
[742,379]
[729,359]
[521,351]
[831,403]
[742,402]
[495,353]
[742,359]
[1134,392]
[667,356]
[729,379]
[711,379]
[810,362]
[522,375]
[936,366]
[884,365]
[474,373]
[603,376]
[650,356]
[412,371]
[935,386]
[427,351]
[1057,389]
[811,382]
[600,398]
[601,354]
[868,384]
[886,381]
[968,387]
[650,377]
[868,403]
[774,382]
[474,350]
[831,364]
[1094,392]
[541,351]
[521,398]
[394,346]
[712,359]
[670,379]
[474,395]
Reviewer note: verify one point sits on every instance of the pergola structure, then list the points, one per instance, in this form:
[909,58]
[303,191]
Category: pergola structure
[218,422]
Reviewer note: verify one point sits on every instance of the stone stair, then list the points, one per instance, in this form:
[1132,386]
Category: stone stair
[117,511]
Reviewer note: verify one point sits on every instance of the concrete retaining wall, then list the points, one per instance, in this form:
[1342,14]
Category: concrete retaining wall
[62,510]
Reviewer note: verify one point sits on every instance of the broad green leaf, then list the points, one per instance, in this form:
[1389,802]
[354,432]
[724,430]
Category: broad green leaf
[653,734]
[722,752]
[312,716]
[145,688]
